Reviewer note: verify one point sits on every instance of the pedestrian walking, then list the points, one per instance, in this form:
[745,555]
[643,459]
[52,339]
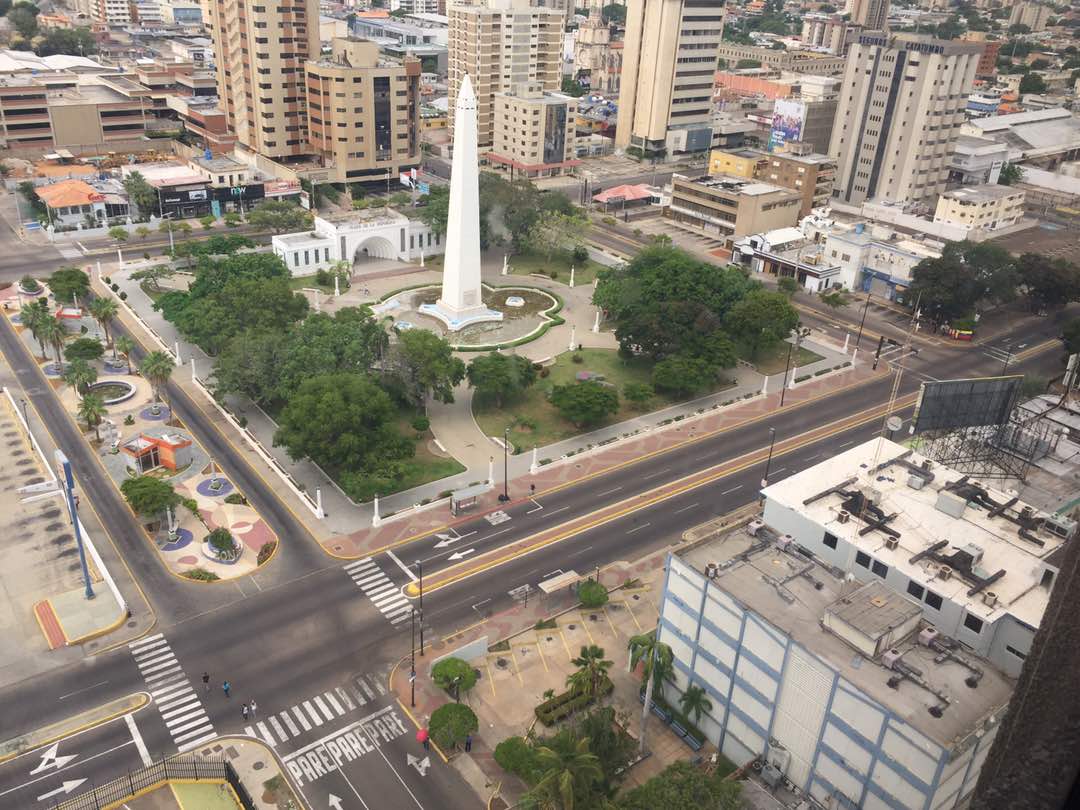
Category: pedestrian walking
[468,743]
[225,687]
[253,706]
[206,681]
[244,711]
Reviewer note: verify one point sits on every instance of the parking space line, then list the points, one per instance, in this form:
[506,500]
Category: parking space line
[517,669]
[543,658]
[491,680]
[566,646]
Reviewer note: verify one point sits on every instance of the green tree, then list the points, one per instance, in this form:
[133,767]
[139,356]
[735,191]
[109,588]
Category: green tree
[342,421]
[84,348]
[1071,336]
[585,403]
[965,275]
[638,394]
[787,285]
[568,776]
[451,723]
[572,87]
[666,302]
[24,21]
[154,275]
[104,311]
[656,655]
[69,41]
[351,339]
[1048,283]
[500,377]
[514,755]
[761,319]
[593,668]
[148,495]
[1032,83]
[33,316]
[157,367]
[92,411]
[613,13]
[53,332]
[681,376]
[1011,174]
[207,222]
[835,299]
[683,786]
[694,701]
[279,216]
[426,366]
[69,284]
[592,594]
[251,365]
[118,234]
[125,346]
[80,375]
[233,219]
[555,231]
[454,675]
[143,196]
[142,232]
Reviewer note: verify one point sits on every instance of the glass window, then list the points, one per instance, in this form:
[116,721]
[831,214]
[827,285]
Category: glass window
[830,539]
[933,600]
[862,558]
[880,569]
[915,589]
[973,623]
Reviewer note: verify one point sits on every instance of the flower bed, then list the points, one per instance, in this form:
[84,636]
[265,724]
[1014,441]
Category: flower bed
[563,705]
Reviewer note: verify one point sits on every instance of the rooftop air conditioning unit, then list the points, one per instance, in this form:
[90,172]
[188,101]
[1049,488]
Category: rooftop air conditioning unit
[916,481]
[990,599]
[785,541]
[891,543]
[1060,525]
[843,517]
[754,526]
[889,658]
[944,572]
[927,636]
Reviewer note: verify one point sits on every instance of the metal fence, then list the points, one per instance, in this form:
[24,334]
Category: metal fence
[181,767]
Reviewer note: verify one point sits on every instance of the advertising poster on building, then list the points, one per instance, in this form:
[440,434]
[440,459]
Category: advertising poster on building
[787,123]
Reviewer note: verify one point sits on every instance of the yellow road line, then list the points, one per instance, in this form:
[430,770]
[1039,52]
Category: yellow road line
[633,616]
[585,627]
[614,632]
[540,649]
[569,656]
[694,481]
[491,680]
[517,669]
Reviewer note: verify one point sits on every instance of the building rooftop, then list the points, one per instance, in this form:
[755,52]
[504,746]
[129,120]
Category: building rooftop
[951,521]
[165,174]
[851,627]
[88,94]
[735,185]
[67,193]
[988,192]
[220,163]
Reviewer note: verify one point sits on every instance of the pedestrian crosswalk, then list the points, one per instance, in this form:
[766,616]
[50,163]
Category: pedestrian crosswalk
[316,711]
[384,594]
[177,701]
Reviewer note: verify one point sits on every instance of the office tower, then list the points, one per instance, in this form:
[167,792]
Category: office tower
[363,112]
[502,44]
[901,106]
[260,53]
[535,132]
[669,61]
[870,14]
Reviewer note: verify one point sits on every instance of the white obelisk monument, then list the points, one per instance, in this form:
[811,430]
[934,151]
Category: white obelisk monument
[461,303]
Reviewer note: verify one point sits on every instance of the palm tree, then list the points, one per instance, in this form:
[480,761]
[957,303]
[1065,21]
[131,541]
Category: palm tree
[80,375]
[568,776]
[592,669]
[54,333]
[658,665]
[92,411]
[694,702]
[32,316]
[104,310]
[157,367]
[125,346]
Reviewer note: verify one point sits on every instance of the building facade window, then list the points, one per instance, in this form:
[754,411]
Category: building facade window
[862,558]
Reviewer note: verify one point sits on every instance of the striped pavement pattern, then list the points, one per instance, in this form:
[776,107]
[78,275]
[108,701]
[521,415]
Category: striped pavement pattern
[315,711]
[384,594]
[177,701]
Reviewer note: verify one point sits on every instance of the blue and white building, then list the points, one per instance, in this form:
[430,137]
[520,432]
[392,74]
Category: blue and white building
[862,665]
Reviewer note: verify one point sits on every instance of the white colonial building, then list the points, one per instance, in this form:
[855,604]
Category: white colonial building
[356,237]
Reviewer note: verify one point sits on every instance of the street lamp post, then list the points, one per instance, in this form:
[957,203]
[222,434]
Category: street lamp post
[863,321]
[420,571]
[768,461]
[412,660]
[1008,357]
[26,418]
[69,491]
[787,370]
[506,466]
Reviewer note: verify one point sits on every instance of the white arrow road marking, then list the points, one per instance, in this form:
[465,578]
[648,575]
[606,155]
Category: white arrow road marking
[335,802]
[65,788]
[421,765]
[446,541]
[50,759]
[457,555]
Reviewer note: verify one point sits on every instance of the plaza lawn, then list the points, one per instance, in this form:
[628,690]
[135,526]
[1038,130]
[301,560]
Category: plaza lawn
[528,263]
[299,283]
[536,422]
[774,359]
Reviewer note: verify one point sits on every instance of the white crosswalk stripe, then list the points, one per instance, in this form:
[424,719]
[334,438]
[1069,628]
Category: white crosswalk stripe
[178,704]
[318,710]
[384,594]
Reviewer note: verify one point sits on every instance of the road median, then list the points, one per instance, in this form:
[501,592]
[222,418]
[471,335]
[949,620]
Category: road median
[72,725]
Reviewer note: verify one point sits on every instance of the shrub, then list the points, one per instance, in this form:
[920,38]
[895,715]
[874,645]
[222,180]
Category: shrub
[123,296]
[201,574]
[453,670]
[266,552]
[235,498]
[577,358]
[580,254]
[323,279]
[421,424]
[451,723]
[545,372]
[107,280]
[592,594]
[563,705]
[191,504]
[221,540]
[29,283]
[129,420]
[516,756]
[554,274]
[146,254]
[609,221]
[114,287]
[242,421]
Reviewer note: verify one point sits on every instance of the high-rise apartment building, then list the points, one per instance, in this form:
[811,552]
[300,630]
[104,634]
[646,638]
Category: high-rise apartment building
[534,132]
[363,112]
[1033,15]
[870,14]
[503,44]
[260,53]
[901,106]
[669,61]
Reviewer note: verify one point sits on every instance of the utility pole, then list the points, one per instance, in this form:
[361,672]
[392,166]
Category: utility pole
[412,665]
[420,570]
[69,490]
[863,321]
[768,461]
[505,496]
[787,370]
